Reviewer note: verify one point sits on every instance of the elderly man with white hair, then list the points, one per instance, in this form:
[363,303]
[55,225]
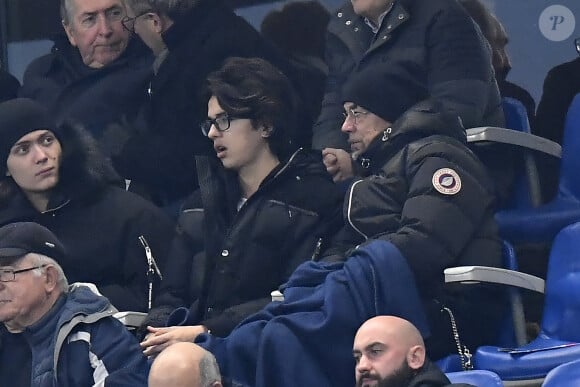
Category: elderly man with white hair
[53,334]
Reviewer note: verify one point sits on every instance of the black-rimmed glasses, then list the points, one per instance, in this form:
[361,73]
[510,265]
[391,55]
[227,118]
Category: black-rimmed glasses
[129,22]
[221,123]
[9,275]
[356,115]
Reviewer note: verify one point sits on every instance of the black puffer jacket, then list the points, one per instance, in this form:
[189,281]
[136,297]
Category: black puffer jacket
[227,262]
[429,195]
[98,223]
[432,44]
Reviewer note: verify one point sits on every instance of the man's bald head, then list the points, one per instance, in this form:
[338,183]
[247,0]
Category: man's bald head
[396,327]
[184,365]
[387,348]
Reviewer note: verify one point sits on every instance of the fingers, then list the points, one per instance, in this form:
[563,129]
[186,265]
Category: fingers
[156,349]
[155,330]
[160,336]
[155,340]
[329,159]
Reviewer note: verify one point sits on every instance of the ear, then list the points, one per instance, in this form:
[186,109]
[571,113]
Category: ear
[69,34]
[51,278]
[216,384]
[416,357]
[158,22]
[266,131]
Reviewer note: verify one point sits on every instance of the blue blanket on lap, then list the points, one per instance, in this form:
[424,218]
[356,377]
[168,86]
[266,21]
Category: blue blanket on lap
[306,340]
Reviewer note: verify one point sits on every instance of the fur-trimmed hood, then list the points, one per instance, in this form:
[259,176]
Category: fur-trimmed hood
[83,173]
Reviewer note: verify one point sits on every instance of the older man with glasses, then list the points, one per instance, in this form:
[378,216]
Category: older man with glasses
[96,74]
[52,333]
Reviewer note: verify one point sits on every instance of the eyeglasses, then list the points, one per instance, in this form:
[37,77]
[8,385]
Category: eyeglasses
[129,22]
[9,275]
[221,123]
[356,115]
[577,44]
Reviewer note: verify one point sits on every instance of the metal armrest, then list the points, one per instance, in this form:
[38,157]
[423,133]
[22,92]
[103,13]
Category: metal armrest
[513,137]
[494,275]
[131,319]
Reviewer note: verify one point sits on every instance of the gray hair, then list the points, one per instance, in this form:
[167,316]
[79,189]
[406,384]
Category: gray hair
[171,8]
[209,371]
[65,11]
[41,260]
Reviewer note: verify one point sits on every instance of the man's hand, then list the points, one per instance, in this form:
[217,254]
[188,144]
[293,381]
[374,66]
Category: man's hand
[160,338]
[338,163]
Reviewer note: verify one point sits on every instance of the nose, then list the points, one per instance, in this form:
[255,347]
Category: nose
[347,125]
[104,25]
[363,365]
[40,154]
[213,132]
[506,60]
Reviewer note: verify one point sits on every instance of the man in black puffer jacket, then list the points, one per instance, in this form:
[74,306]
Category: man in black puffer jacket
[423,190]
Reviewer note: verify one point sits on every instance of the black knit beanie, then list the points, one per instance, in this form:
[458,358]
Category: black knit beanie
[382,92]
[19,117]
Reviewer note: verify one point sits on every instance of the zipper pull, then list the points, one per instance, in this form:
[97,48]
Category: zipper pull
[317,249]
[386,134]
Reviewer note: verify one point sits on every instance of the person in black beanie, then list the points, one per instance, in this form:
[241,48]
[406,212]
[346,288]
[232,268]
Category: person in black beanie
[55,176]
[423,190]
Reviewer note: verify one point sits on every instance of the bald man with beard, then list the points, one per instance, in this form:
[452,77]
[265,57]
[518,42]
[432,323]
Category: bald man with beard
[389,352]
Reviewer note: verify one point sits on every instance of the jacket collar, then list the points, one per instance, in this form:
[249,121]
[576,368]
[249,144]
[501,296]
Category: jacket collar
[347,24]
[427,118]
[394,19]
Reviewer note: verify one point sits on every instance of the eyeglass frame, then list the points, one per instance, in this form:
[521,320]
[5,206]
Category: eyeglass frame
[206,124]
[14,272]
[356,115]
[132,20]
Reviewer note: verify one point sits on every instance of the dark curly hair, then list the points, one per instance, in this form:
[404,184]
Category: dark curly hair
[254,87]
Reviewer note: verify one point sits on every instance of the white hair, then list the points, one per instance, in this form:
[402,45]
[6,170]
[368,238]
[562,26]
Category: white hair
[42,260]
